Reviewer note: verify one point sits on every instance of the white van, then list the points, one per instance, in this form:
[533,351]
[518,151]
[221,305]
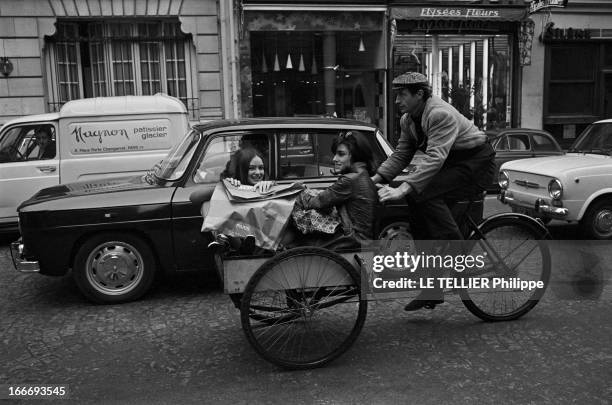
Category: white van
[88,139]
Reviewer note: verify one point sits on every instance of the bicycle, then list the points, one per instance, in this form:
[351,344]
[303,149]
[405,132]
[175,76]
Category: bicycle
[304,307]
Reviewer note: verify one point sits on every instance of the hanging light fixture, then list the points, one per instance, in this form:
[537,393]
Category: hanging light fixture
[313,69]
[276,64]
[289,64]
[301,65]
[361,45]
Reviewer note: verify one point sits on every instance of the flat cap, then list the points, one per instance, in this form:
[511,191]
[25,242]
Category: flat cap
[409,78]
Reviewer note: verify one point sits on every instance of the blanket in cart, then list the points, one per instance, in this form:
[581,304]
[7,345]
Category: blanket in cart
[245,193]
[265,219]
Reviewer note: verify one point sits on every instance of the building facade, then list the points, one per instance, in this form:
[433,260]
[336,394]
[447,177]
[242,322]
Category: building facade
[569,82]
[339,58]
[53,51]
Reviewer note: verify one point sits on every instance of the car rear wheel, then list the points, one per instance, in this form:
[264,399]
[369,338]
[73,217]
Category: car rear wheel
[113,268]
[597,222]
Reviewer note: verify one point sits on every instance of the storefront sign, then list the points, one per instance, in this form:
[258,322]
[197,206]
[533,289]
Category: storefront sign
[458,13]
[538,5]
[564,34]
[121,136]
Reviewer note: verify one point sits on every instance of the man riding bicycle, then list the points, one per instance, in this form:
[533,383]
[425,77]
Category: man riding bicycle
[458,163]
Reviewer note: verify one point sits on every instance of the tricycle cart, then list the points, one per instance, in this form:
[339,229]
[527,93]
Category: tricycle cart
[304,307]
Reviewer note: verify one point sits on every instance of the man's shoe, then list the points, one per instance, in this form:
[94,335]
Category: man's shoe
[415,305]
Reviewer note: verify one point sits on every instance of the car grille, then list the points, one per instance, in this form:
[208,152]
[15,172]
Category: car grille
[527,187]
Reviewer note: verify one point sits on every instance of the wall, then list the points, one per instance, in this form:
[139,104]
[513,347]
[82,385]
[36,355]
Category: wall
[24,23]
[587,14]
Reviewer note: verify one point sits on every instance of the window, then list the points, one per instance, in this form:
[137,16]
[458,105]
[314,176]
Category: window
[221,149]
[175,163]
[308,154]
[502,143]
[518,142]
[28,142]
[97,58]
[543,143]
[474,73]
[571,79]
[288,75]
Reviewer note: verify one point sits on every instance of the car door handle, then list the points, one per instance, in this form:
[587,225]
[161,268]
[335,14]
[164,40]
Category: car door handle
[46,169]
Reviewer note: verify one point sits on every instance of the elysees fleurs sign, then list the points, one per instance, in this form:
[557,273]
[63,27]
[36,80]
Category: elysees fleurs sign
[459,12]
[120,136]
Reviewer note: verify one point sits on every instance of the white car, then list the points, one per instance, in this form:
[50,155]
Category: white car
[576,187]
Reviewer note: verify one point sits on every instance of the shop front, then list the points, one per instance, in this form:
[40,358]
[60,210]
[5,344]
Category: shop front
[577,78]
[313,60]
[469,52]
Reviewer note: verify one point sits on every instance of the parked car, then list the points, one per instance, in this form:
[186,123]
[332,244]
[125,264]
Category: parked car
[575,187]
[117,233]
[521,143]
[512,144]
[89,139]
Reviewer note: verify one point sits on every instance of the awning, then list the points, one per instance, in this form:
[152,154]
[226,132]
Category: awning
[464,13]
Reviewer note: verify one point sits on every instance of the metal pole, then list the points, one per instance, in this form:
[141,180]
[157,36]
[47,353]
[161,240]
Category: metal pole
[330,68]
[485,80]
[450,72]
[472,81]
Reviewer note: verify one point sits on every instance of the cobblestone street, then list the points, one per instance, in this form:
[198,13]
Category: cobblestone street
[183,343]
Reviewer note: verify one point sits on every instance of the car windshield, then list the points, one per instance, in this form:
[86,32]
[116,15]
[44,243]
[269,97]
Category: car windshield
[596,138]
[174,164]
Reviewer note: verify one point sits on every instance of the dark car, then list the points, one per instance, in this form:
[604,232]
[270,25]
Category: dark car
[521,143]
[117,233]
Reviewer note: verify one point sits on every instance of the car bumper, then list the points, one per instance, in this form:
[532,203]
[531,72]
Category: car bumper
[20,262]
[539,207]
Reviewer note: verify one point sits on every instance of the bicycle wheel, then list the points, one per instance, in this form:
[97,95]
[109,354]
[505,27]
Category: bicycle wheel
[513,250]
[303,308]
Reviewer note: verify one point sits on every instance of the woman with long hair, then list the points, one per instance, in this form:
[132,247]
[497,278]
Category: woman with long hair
[246,166]
[354,193]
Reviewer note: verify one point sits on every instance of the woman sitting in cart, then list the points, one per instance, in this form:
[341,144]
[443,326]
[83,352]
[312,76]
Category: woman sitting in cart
[354,193]
[246,166]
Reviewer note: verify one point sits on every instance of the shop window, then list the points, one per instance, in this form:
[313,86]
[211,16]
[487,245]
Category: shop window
[288,75]
[91,59]
[571,98]
[572,63]
[571,80]
[608,54]
[471,72]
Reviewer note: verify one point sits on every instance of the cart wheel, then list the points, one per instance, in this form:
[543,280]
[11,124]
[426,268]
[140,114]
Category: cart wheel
[303,308]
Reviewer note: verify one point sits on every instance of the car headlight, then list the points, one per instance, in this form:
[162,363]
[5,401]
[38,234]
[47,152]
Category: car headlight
[555,189]
[503,180]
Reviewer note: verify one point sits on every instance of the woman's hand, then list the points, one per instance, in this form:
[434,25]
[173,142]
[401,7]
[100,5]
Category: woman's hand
[234,182]
[264,186]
